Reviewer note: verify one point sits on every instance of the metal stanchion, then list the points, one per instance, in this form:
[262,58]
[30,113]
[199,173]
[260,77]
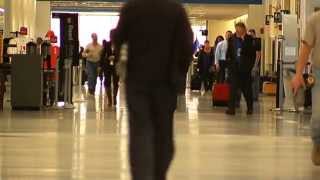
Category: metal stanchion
[56,90]
[280,91]
[68,84]
[76,75]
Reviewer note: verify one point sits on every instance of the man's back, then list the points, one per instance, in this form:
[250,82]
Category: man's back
[158,35]
[159,39]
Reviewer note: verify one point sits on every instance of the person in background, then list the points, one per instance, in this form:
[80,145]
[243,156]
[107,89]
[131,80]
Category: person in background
[81,52]
[217,41]
[241,55]
[39,43]
[256,67]
[92,53]
[220,57]
[159,38]
[311,46]
[83,62]
[111,77]
[205,65]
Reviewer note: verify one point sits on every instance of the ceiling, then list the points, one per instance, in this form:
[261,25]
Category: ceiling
[216,11]
[201,11]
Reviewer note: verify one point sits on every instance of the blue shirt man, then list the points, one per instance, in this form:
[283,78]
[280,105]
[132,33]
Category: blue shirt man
[239,46]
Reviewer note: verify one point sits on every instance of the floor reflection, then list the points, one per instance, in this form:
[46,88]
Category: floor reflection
[90,141]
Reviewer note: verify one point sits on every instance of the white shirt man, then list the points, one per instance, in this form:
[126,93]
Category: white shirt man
[221,56]
[93,55]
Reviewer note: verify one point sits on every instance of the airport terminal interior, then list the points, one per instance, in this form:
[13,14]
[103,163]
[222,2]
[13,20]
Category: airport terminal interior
[53,128]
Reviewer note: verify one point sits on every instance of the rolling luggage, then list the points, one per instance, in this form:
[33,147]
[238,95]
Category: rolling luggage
[220,94]
[195,82]
[269,88]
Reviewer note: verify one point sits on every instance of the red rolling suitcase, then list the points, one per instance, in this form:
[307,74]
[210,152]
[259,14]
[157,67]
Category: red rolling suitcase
[221,94]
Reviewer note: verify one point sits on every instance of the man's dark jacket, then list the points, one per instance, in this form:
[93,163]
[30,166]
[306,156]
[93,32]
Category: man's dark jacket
[201,58]
[160,40]
[248,55]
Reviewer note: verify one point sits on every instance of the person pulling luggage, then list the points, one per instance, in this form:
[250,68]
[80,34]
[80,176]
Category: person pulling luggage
[256,68]
[241,55]
[205,65]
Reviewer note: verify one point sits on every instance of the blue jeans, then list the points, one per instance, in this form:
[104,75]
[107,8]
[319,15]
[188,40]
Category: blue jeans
[92,74]
[315,123]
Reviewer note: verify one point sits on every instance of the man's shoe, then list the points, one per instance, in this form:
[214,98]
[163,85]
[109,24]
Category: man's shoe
[231,112]
[316,154]
[91,91]
[250,112]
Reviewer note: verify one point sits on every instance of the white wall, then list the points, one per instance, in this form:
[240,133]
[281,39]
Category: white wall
[34,15]
[43,18]
[20,13]
[256,18]
[219,27]
[88,25]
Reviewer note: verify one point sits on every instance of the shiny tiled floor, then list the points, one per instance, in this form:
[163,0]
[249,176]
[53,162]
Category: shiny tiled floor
[90,143]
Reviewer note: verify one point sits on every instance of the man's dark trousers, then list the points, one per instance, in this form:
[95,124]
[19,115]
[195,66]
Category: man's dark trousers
[151,111]
[222,71]
[241,81]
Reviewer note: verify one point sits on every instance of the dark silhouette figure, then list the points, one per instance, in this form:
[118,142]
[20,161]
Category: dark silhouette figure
[111,78]
[159,39]
[241,56]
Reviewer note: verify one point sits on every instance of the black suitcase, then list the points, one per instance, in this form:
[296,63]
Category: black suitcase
[308,91]
[195,82]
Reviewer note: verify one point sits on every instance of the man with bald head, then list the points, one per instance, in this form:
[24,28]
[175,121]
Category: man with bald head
[92,53]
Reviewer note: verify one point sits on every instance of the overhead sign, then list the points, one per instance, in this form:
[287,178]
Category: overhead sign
[185,1]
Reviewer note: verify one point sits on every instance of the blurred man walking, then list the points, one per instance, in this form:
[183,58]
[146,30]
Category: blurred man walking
[159,39]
